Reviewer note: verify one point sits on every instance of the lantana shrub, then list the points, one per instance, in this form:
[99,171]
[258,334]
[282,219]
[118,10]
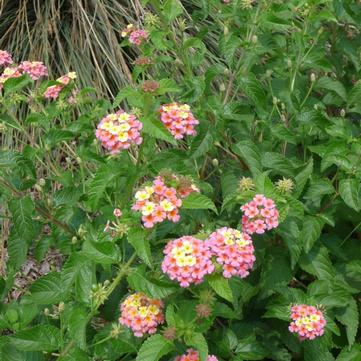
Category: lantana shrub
[208,211]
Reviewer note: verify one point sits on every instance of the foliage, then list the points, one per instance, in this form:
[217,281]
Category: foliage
[275,87]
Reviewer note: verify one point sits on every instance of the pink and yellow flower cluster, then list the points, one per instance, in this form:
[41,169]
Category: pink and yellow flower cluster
[160,201]
[187,260]
[141,314]
[119,131]
[260,215]
[5,58]
[136,36]
[52,92]
[192,355]
[178,119]
[233,250]
[35,69]
[307,321]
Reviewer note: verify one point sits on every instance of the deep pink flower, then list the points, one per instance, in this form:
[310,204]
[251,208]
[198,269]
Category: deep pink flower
[35,69]
[192,355]
[5,58]
[260,215]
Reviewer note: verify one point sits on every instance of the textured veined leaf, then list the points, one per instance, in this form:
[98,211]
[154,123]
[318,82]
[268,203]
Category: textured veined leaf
[198,201]
[38,338]
[311,231]
[250,154]
[198,341]
[157,130]
[221,286]
[154,348]
[201,144]
[78,319]
[171,9]
[332,85]
[47,289]
[137,237]
[102,252]
[350,354]
[349,191]
[250,349]
[349,317]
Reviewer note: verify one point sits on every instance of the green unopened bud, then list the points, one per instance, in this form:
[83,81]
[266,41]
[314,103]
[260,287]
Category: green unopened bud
[207,296]
[98,294]
[215,162]
[315,107]
[79,161]
[74,240]
[61,307]
[246,184]
[116,330]
[274,100]
[122,229]
[38,187]
[222,87]
[254,39]
[342,113]
[289,63]
[313,77]
[46,312]
[269,73]
[42,182]
[106,283]
[284,185]
[283,117]
[225,30]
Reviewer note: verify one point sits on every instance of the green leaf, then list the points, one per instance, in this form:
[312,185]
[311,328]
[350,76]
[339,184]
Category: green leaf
[350,354]
[9,121]
[250,154]
[317,262]
[277,162]
[349,191]
[105,252]
[22,210]
[167,86]
[156,129]
[80,272]
[154,288]
[201,144]
[154,348]
[253,89]
[302,177]
[250,349]
[317,189]
[38,338]
[198,201]
[78,319]
[137,237]
[171,9]
[349,317]
[198,341]
[13,85]
[221,286]
[311,231]
[47,289]
[333,85]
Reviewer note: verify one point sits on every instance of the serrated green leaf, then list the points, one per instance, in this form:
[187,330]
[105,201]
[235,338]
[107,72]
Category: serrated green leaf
[198,201]
[154,348]
[311,231]
[137,237]
[250,154]
[47,289]
[349,192]
[198,341]
[38,338]
[349,317]
[333,85]
[221,286]
[106,252]
[350,354]
[171,9]
[77,322]
[157,130]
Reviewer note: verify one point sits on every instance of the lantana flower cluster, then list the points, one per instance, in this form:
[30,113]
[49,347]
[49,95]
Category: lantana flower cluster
[35,69]
[161,200]
[260,215]
[307,321]
[233,250]
[192,355]
[136,36]
[5,58]
[119,131]
[52,92]
[141,314]
[178,119]
[187,260]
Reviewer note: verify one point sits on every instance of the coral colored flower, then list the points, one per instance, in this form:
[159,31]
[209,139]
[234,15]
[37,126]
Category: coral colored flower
[233,250]
[307,321]
[52,92]
[5,58]
[187,260]
[178,119]
[136,36]
[162,199]
[35,69]
[192,355]
[260,215]
[141,314]
[119,131]
[8,73]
